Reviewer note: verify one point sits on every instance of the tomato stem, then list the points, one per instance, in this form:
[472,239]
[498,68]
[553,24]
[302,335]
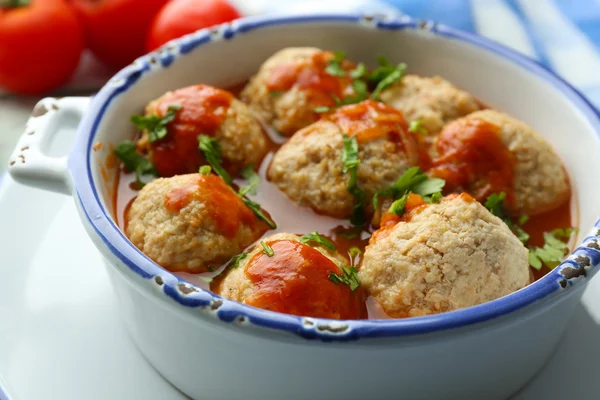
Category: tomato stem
[14,3]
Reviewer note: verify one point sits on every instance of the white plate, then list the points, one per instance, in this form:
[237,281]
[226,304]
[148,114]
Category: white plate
[61,337]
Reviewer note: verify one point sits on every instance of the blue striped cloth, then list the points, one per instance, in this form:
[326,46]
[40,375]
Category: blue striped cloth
[563,35]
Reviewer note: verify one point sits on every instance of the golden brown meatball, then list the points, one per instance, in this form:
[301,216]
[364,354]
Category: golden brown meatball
[489,152]
[293,280]
[309,170]
[434,101]
[189,222]
[205,110]
[291,84]
[442,257]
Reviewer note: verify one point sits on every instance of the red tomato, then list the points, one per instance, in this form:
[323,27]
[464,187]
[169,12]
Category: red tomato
[181,17]
[40,45]
[116,30]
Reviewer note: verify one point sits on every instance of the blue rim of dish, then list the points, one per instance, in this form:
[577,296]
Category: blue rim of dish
[583,262]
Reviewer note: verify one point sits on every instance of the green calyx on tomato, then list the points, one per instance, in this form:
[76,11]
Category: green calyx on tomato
[14,3]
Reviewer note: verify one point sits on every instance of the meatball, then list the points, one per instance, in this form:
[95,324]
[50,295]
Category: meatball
[442,257]
[488,151]
[309,170]
[294,280]
[291,84]
[190,222]
[205,110]
[434,101]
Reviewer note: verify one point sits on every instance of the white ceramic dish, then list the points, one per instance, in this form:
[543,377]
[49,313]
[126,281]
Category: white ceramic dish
[191,336]
[62,338]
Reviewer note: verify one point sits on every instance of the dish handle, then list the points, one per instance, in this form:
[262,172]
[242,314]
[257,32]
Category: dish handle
[30,163]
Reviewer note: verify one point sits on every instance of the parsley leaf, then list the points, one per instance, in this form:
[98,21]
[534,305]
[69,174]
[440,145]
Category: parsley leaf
[399,205]
[253,179]
[354,251]
[413,180]
[350,162]
[417,126]
[134,162]
[553,251]
[257,210]
[359,71]
[334,67]
[495,204]
[321,110]
[275,93]
[349,233]
[212,153]
[435,198]
[267,249]
[315,237]
[385,75]
[349,276]
[235,260]
[155,125]
[205,170]
[361,92]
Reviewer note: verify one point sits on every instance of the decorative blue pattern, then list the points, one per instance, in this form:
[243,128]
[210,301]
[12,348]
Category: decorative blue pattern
[584,261]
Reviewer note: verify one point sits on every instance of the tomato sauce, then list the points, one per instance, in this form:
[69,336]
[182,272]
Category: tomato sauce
[472,158]
[203,109]
[295,280]
[311,77]
[292,218]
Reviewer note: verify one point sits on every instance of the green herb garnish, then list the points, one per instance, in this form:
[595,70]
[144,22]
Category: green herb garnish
[253,179]
[275,93]
[350,162]
[385,75]
[553,251]
[349,234]
[415,181]
[334,67]
[321,110]
[212,153]
[361,92]
[354,251]
[359,71]
[155,125]
[257,210]
[315,237]
[133,161]
[417,126]
[205,170]
[398,206]
[267,249]
[495,204]
[349,276]
[235,260]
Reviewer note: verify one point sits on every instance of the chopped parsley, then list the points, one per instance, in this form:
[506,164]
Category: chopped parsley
[361,92]
[349,233]
[155,125]
[398,206]
[133,161]
[415,181]
[417,126]
[349,276]
[235,260]
[359,71]
[257,210]
[321,110]
[253,179]
[350,162]
[385,76]
[334,67]
[553,251]
[212,153]
[495,204]
[354,251]
[267,249]
[205,170]
[315,237]
[275,93]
